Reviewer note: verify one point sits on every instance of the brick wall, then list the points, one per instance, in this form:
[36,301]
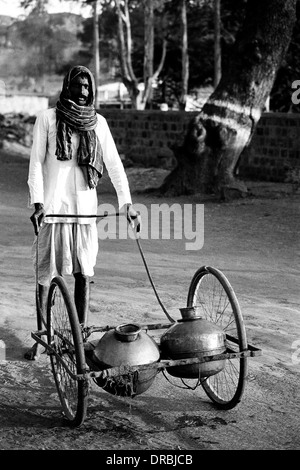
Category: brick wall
[145,137]
[274,152]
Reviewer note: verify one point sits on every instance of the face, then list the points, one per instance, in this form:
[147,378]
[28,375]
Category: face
[80,90]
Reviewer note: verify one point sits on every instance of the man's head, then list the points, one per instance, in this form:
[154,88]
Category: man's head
[79,86]
[79,89]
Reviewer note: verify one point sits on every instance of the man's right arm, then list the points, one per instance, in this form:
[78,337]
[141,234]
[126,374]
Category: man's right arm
[38,216]
[35,175]
[37,158]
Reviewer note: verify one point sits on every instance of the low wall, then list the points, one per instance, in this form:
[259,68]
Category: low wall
[274,151]
[23,104]
[145,137]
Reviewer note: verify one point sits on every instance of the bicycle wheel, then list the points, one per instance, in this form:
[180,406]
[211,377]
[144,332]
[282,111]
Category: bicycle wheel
[212,293]
[65,337]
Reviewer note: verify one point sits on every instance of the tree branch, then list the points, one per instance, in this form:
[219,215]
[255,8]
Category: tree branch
[162,59]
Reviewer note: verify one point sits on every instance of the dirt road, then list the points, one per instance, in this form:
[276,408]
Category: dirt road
[254,241]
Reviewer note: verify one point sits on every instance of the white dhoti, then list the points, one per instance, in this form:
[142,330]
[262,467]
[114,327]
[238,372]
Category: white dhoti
[64,249]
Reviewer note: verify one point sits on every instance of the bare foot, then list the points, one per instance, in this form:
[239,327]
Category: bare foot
[34,352]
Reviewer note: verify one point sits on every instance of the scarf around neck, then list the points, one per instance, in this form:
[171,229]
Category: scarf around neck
[70,118]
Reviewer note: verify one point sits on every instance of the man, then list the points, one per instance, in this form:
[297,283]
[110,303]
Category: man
[71,143]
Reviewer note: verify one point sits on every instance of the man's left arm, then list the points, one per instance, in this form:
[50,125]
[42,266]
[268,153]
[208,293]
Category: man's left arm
[133,217]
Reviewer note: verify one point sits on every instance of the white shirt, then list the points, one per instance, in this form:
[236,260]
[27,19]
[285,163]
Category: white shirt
[61,185]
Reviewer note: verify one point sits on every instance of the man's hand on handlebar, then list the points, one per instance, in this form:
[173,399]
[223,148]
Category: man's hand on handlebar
[133,217]
[37,217]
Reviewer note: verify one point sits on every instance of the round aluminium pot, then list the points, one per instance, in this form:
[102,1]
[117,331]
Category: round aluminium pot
[193,336]
[126,345]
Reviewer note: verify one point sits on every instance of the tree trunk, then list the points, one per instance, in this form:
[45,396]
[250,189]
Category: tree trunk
[148,52]
[129,79]
[184,56]
[96,49]
[217,42]
[216,137]
[150,76]
[125,52]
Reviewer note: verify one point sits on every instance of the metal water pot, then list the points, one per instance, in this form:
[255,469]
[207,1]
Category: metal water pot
[127,345]
[193,336]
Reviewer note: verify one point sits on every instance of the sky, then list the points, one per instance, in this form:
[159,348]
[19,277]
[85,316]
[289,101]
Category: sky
[12,8]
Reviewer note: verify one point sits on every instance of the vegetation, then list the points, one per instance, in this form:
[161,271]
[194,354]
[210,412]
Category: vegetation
[217,136]
[51,44]
[171,43]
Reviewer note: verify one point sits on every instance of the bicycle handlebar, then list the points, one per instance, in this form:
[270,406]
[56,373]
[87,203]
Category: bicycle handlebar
[84,216]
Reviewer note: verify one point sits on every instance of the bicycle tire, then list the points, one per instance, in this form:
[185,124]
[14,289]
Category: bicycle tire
[65,337]
[213,295]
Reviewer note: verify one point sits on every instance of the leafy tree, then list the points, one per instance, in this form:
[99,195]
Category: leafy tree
[129,43]
[280,97]
[37,34]
[167,23]
[36,6]
[175,79]
[46,38]
[217,136]
[108,40]
[200,41]
[125,41]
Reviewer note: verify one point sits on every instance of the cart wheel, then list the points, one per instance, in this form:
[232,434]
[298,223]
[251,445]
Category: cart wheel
[65,337]
[211,291]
